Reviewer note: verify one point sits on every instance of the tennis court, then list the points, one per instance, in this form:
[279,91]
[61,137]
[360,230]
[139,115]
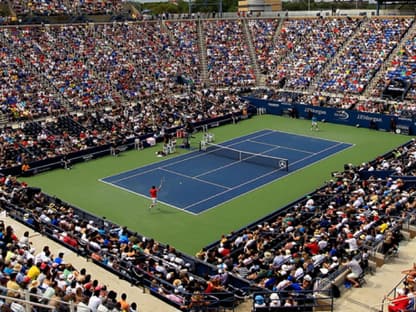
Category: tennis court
[198,181]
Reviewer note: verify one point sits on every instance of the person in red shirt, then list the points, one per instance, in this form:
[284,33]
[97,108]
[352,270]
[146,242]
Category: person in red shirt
[153,195]
[312,246]
[400,302]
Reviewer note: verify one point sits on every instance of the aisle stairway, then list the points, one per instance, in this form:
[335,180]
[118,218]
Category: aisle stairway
[370,296]
[202,53]
[314,85]
[252,53]
[386,64]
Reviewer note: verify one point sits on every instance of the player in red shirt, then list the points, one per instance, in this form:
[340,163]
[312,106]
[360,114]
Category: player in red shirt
[153,195]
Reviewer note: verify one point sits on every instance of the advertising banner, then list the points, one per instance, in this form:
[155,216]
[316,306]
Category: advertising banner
[354,118]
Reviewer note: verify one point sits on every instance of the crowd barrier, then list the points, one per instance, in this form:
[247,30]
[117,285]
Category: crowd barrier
[403,125]
[305,301]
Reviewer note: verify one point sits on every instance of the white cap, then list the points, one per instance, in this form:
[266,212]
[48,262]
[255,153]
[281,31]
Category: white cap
[307,277]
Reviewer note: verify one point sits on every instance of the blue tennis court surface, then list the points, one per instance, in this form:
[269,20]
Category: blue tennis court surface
[198,181]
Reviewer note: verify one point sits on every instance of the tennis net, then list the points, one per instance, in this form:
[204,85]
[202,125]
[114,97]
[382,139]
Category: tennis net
[234,154]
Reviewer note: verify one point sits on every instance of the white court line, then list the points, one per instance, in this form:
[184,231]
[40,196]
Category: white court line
[147,197]
[308,136]
[282,147]
[252,180]
[195,178]
[196,154]
[231,189]
[169,163]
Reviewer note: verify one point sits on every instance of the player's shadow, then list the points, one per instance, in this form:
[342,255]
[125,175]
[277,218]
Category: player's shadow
[164,211]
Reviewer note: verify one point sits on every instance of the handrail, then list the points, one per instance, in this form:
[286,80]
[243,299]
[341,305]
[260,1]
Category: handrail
[392,292]
[27,303]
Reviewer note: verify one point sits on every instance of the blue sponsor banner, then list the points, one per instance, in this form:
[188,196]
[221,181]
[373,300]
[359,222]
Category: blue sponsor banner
[339,116]
[382,174]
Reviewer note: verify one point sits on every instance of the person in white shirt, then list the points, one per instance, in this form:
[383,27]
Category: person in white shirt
[310,203]
[355,269]
[94,301]
[352,242]
[83,305]
[274,300]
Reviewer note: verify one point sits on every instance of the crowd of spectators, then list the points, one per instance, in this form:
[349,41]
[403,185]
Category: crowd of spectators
[46,139]
[401,67]
[302,49]
[22,94]
[45,277]
[332,230]
[365,54]
[103,64]
[139,78]
[186,50]
[164,270]
[263,32]
[228,59]
[50,70]
[356,61]
[65,7]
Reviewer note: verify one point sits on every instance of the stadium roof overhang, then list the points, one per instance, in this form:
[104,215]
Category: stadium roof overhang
[393,2]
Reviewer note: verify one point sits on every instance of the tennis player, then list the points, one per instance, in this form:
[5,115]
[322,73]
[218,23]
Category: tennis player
[314,123]
[153,195]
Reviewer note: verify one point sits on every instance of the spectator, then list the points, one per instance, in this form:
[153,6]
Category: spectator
[355,271]
[94,300]
[259,301]
[410,274]
[123,302]
[400,302]
[82,306]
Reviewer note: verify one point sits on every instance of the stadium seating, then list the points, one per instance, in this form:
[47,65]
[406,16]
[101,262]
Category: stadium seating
[363,55]
[228,60]
[61,7]
[373,211]
[70,89]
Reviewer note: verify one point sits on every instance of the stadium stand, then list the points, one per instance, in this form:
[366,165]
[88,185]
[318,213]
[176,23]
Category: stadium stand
[97,68]
[227,54]
[360,60]
[61,7]
[304,49]
[75,90]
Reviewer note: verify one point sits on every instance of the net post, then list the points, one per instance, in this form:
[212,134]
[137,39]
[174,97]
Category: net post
[284,164]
